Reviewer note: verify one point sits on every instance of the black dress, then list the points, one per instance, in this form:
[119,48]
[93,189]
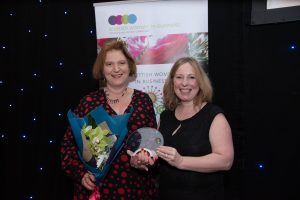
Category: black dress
[122,181]
[191,139]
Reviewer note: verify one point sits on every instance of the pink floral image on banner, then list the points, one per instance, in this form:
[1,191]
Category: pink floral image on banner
[165,49]
[136,45]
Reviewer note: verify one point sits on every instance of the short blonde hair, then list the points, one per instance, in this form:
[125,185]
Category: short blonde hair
[109,46]
[171,101]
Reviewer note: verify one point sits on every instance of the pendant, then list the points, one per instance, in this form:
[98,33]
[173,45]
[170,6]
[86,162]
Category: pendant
[175,131]
[112,101]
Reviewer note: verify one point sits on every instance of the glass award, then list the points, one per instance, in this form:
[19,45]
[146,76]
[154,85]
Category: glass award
[147,139]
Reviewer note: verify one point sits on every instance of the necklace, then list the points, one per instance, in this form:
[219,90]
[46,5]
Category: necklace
[183,116]
[114,101]
[175,131]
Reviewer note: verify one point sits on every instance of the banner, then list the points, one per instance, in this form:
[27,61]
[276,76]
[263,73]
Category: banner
[157,33]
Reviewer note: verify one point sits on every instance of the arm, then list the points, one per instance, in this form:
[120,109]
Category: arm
[221,157]
[70,162]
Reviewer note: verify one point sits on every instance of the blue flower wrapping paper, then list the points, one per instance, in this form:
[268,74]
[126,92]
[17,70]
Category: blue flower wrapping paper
[117,125]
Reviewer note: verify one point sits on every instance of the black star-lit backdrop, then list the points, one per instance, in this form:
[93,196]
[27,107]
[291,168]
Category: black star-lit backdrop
[47,51]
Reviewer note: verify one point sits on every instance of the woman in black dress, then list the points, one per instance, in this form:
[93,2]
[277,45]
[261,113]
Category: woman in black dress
[198,144]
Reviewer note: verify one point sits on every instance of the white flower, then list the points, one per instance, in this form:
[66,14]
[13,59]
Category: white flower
[100,160]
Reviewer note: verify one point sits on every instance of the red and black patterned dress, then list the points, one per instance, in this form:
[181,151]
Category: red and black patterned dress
[122,181]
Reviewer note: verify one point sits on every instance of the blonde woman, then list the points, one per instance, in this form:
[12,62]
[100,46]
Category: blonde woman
[198,142]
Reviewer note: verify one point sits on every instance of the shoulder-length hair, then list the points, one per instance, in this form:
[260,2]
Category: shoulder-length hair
[171,101]
[109,46]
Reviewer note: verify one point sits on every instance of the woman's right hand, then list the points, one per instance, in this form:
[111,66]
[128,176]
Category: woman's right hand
[88,181]
[170,155]
[141,160]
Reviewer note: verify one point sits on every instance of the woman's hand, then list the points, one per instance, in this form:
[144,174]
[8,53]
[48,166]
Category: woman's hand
[88,181]
[170,155]
[141,160]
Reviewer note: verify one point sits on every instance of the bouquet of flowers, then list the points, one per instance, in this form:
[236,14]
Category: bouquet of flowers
[98,141]
[99,138]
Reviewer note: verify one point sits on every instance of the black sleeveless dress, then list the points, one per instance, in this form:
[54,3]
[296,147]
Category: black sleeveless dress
[191,139]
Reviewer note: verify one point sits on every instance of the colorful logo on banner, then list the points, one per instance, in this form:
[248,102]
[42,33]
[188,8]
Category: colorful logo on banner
[122,19]
[156,96]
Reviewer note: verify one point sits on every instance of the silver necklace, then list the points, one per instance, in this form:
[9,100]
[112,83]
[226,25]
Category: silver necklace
[113,101]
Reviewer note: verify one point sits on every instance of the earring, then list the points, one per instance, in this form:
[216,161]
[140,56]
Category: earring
[102,83]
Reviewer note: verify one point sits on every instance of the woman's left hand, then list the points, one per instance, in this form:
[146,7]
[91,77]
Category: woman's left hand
[170,155]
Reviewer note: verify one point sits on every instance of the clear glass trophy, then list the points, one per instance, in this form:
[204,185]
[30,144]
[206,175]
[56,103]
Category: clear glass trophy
[147,139]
